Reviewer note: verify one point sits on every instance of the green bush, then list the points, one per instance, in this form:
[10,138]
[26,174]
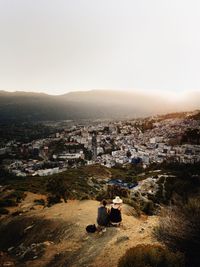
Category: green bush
[131,202]
[111,192]
[102,195]
[57,188]
[115,190]
[151,256]
[148,207]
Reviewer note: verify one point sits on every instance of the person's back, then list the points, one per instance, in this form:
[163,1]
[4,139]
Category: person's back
[115,215]
[103,217]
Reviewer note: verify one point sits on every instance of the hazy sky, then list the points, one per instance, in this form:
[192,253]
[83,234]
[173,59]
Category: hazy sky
[56,46]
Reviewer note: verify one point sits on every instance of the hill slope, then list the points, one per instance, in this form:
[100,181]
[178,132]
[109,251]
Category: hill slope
[95,104]
[61,229]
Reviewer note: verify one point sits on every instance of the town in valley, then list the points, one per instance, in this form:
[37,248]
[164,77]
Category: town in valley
[169,138]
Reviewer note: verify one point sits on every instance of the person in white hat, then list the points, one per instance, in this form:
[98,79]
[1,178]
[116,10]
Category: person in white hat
[115,212]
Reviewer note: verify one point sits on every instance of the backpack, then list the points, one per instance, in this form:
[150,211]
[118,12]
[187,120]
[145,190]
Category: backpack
[91,228]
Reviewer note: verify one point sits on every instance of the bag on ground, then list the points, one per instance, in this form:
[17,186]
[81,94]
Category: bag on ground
[91,228]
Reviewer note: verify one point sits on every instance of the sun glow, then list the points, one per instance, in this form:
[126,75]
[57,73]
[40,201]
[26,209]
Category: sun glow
[176,96]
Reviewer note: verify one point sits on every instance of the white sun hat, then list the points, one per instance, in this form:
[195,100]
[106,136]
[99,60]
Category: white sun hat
[117,200]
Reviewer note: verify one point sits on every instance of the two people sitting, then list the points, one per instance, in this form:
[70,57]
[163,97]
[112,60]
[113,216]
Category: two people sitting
[110,217]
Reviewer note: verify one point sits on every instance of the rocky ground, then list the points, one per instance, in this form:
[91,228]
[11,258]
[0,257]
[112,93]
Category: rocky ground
[56,236]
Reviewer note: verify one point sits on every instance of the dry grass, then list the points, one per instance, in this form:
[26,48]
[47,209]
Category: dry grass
[179,228]
[151,256]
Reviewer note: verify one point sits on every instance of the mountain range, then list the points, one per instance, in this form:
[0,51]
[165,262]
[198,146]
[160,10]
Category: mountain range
[94,104]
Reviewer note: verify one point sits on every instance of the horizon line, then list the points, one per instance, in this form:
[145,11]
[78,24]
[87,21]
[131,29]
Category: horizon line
[142,91]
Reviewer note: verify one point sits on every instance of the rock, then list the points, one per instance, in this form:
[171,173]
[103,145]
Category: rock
[47,243]
[122,239]
[8,263]
[85,238]
[31,252]
[28,228]
[11,248]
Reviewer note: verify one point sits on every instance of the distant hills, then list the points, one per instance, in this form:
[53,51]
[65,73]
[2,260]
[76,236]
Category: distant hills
[94,104]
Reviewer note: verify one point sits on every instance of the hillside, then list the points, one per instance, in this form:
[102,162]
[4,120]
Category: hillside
[56,236]
[34,232]
[22,106]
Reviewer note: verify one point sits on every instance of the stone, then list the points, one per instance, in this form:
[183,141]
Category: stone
[8,264]
[28,228]
[11,248]
[85,238]
[47,243]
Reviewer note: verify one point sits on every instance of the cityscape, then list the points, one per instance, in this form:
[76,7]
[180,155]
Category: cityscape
[139,141]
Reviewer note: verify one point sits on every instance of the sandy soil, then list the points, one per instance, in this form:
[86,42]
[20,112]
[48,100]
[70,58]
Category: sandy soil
[79,248]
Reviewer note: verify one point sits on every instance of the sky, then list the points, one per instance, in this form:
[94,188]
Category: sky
[57,46]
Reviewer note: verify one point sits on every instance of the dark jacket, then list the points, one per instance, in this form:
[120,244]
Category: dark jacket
[115,215]
[102,217]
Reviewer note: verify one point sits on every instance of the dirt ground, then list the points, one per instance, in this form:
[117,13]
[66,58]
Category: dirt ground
[75,247]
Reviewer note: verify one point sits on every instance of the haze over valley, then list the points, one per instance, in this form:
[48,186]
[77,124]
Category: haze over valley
[94,104]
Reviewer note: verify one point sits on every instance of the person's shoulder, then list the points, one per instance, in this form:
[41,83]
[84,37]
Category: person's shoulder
[102,208]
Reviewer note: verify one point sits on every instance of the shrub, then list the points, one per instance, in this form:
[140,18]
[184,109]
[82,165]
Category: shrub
[52,200]
[39,202]
[136,212]
[151,256]
[179,228]
[57,188]
[148,207]
[3,211]
[18,195]
[115,190]
[102,195]
[7,203]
